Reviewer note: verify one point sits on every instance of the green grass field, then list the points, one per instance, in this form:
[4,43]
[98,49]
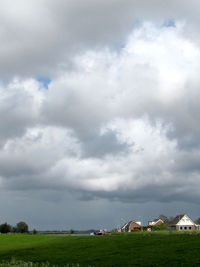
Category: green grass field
[154,249]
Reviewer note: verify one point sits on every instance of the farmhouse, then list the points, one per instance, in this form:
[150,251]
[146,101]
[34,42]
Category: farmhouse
[182,222]
[155,222]
[130,226]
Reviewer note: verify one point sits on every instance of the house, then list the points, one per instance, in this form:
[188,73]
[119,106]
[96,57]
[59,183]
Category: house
[131,226]
[155,222]
[182,222]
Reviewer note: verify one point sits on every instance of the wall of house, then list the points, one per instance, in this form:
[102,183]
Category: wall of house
[185,227]
[133,226]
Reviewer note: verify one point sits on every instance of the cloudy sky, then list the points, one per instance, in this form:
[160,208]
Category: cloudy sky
[99,111]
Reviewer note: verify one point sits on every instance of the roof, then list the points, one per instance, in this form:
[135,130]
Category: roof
[176,219]
[126,225]
[156,222]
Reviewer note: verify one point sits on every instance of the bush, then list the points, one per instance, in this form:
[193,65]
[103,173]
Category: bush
[160,227]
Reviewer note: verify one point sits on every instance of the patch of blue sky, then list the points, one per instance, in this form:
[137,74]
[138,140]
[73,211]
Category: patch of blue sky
[44,81]
[169,23]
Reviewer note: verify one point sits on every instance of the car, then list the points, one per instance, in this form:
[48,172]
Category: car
[92,233]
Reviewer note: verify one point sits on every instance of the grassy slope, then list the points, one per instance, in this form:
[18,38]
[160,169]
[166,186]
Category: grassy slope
[120,250]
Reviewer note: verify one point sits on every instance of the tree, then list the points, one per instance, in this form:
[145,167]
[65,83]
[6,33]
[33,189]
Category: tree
[5,228]
[34,231]
[14,229]
[197,221]
[22,227]
[164,219]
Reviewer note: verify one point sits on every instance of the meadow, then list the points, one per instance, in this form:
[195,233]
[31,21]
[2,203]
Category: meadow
[134,249]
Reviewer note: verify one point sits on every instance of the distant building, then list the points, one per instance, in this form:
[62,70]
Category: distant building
[182,222]
[155,222]
[131,226]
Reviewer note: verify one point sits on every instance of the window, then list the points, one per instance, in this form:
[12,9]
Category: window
[190,227]
[185,227]
[181,228]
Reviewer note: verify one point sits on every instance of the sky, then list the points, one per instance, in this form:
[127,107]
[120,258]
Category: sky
[99,112]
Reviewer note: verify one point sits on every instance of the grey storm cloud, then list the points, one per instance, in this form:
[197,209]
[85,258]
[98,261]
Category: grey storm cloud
[153,193]
[103,145]
[40,38]
[99,103]
[19,109]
